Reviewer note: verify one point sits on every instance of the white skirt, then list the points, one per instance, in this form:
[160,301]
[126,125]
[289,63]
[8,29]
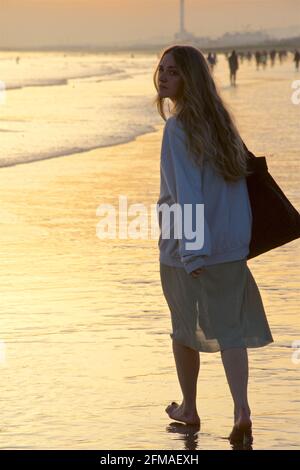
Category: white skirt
[220,309]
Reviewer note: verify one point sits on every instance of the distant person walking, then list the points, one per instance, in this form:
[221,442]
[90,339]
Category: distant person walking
[264,58]
[233,66]
[257,59]
[212,59]
[297,59]
[272,57]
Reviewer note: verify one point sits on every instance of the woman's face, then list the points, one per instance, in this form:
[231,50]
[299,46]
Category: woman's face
[169,80]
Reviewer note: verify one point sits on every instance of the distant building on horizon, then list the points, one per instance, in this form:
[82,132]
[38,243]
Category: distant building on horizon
[183,35]
[236,38]
[242,38]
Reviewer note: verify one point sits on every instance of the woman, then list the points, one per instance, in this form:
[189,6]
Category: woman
[214,301]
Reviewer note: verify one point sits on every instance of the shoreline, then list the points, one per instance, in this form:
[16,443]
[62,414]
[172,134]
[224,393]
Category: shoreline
[156,128]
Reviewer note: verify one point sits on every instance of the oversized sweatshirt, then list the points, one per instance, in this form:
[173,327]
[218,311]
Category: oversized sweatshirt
[213,221]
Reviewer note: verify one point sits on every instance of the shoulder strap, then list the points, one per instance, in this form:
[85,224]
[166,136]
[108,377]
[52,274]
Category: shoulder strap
[257,164]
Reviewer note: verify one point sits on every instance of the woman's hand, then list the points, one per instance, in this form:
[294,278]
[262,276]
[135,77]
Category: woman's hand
[197,272]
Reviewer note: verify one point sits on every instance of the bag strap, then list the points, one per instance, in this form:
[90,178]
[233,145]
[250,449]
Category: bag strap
[256,164]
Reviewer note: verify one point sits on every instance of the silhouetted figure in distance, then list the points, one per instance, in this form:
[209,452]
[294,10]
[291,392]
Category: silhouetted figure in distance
[272,57]
[257,58]
[297,59]
[264,58]
[233,66]
[211,59]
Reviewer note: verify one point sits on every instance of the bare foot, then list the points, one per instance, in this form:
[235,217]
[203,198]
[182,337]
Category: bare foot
[178,413]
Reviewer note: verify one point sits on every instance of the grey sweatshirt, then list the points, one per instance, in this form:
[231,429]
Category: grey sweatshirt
[213,218]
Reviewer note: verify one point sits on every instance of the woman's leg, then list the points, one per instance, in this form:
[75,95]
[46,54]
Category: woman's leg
[187,364]
[235,362]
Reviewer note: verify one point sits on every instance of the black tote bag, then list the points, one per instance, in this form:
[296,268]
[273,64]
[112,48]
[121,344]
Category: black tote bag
[275,221]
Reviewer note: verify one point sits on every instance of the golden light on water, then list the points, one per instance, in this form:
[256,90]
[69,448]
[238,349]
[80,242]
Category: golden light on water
[85,353]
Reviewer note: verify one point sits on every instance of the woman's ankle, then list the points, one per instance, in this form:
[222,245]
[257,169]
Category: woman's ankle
[242,412]
[189,407]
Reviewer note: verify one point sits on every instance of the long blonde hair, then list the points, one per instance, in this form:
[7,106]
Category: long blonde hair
[209,126]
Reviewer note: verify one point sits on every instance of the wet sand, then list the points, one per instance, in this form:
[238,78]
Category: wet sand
[87,360]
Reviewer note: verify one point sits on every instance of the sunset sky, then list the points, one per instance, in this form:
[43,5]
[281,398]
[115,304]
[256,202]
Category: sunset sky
[54,22]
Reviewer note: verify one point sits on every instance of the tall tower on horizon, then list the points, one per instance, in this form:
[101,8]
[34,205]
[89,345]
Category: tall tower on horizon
[182,31]
[182,35]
